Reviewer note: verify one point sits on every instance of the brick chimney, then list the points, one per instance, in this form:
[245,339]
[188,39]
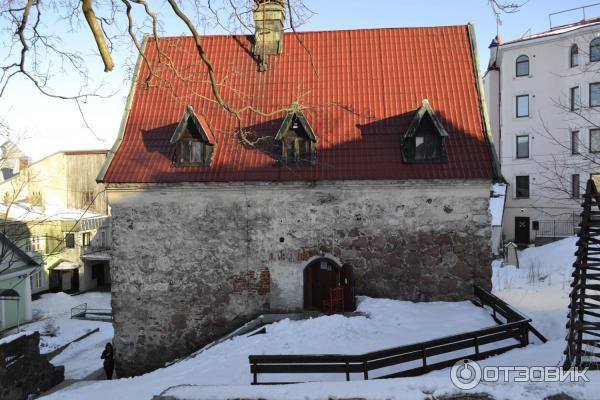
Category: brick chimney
[269,16]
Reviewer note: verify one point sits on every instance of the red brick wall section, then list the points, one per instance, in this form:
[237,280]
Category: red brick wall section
[249,282]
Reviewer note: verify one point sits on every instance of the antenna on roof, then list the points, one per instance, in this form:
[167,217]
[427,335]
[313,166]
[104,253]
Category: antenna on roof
[526,32]
[572,11]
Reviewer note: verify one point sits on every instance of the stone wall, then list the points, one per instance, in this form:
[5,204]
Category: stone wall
[193,261]
[23,371]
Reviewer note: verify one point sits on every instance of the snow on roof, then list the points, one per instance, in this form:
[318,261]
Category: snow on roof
[497,196]
[22,211]
[556,31]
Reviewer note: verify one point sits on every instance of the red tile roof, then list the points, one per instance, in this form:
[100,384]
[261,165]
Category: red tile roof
[359,93]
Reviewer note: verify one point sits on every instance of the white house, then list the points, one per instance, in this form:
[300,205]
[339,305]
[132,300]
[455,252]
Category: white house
[543,94]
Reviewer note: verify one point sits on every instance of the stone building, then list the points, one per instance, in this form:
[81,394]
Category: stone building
[372,166]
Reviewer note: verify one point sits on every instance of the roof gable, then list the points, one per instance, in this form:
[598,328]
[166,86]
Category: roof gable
[298,115]
[199,125]
[424,110]
[357,88]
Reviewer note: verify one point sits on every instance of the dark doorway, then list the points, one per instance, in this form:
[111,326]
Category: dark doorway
[348,282]
[75,281]
[320,276]
[522,230]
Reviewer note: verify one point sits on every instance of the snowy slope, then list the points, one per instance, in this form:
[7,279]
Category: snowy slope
[539,289]
[79,359]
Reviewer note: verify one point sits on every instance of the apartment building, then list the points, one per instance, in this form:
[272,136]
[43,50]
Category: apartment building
[543,98]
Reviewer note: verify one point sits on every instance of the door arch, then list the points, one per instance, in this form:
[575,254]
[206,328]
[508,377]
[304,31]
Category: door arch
[320,275]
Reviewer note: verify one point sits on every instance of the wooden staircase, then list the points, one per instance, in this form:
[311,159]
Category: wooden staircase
[583,339]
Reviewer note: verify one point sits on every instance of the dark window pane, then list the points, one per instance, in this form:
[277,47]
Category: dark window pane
[522,146]
[595,50]
[522,186]
[574,56]
[197,155]
[575,186]
[185,151]
[594,94]
[594,140]
[575,99]
[70,240]
[575,142]
[523,106]
[426,146]
[522,65]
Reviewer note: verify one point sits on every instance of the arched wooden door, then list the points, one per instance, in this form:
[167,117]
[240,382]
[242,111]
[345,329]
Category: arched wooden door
[319,276]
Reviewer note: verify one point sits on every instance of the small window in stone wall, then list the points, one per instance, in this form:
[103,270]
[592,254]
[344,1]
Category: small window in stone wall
[86,238]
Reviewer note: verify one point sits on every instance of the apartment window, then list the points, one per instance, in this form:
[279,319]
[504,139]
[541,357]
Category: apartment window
[574,98]
[523,146]
[34,244]
[575,186]
[595,50]
[594,140]
[37,280]
[575,142]
[523,106]
[522,65]
[86,238]
[595,94]
[522,187]
[70,240]
[103,239]
[574,56]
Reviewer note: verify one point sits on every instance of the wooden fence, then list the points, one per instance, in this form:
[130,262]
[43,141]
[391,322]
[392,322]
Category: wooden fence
[97,314]
[515,326]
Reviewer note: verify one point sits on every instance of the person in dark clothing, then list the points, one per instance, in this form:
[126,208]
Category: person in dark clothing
[108,356]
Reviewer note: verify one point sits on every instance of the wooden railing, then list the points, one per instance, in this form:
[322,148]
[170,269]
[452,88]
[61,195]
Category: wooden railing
[83,312]
[516,327]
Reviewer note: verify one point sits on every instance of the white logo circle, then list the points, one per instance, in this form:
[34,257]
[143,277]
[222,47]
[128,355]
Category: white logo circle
[465,374]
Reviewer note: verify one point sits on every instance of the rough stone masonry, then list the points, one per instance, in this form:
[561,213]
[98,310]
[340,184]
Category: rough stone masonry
[193,261]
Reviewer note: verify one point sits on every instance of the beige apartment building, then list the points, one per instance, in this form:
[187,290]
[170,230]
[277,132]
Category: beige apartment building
[543,98]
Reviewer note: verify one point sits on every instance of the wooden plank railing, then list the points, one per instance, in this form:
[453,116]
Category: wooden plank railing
[83,312]
[516,327]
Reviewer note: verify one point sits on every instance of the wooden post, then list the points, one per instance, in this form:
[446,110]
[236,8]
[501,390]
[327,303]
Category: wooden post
[424,356]
[255,379]
[365,371]
[476,346]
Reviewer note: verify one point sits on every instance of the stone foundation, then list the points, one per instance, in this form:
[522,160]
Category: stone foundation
[192,262]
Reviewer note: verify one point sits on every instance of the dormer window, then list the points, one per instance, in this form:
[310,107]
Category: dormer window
[298,141]
[423,142]
[194,141]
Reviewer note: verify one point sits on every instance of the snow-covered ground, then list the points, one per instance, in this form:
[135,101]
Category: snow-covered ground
[54,313]
[538,289]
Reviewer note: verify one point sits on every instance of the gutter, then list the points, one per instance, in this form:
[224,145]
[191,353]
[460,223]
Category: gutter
[482,107]
[125,118]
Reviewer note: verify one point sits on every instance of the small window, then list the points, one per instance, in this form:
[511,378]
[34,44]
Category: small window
[575,142]
[296,150]
[523,146]
[427,146]
[595,94]
[34,244]
[574,98]
[86,238]
[594,140]
[595,50]
[37,280]
[194,152]
[88,199]
[522,106]
[522,65]
[103,239]
[574,56]
[522,187]
[70,240]
[575,192]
